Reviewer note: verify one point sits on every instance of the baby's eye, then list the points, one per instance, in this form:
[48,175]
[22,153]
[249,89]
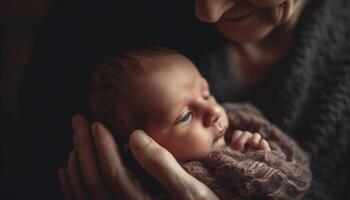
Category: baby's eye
[187,118]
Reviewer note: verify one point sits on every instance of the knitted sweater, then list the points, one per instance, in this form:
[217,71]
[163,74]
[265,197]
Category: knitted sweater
[282,173]
[307,95]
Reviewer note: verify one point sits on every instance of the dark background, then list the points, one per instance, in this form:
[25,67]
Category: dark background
[20,21]
[46,51]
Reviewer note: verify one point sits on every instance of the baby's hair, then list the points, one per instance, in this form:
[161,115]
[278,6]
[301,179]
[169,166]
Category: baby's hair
[114,83]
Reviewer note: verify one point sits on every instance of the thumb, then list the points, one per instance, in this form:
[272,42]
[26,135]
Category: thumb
[162,165]
[157,161]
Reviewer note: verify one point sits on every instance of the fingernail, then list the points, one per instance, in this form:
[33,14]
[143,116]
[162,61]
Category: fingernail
[139,140]
[75,122]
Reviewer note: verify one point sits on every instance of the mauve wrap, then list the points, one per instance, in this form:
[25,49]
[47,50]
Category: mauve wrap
[282,173]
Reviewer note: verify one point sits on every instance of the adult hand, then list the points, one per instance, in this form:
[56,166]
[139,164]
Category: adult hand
[105,176]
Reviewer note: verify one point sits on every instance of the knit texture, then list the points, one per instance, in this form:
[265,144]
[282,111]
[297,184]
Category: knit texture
[307,95]
[282,173]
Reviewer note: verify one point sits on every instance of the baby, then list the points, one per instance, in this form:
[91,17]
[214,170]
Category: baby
[161,92]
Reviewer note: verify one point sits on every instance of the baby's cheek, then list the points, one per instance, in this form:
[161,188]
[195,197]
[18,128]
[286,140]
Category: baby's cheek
[199,144]
[194,143]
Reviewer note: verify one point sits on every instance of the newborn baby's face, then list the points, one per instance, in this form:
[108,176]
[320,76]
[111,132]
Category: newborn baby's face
[181,114]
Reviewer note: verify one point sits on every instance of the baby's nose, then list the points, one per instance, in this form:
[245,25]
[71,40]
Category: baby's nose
[213,116]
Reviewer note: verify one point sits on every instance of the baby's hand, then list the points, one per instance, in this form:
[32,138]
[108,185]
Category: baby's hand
[243,140]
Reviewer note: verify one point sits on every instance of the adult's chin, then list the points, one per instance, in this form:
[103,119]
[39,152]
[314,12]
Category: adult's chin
[251,29]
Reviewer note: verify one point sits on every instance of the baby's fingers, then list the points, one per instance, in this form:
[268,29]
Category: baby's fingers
[254,142]
[241,142]
[263,145]
[236,135]
[258,143]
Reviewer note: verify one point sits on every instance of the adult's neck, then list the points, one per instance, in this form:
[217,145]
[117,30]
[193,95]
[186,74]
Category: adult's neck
[254,60]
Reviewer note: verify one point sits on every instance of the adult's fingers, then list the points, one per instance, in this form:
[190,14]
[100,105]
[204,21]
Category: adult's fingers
[121,182]
[87,160]
[64,183]
[154,158]
[163,166]
[74,176]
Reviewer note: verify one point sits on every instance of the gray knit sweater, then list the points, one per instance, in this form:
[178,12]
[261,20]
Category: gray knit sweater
[307,95]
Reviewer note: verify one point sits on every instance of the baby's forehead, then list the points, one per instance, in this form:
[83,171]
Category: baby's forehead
[164,89]
[173,77]
[166,78]
[163,72]
[153,62]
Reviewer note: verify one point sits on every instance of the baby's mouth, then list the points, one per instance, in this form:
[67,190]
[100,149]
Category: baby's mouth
[219,140]
[220,134]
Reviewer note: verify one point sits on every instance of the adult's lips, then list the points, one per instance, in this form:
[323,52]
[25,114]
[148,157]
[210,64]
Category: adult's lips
[245,9]
[267,3]
[239,15]
[241,10]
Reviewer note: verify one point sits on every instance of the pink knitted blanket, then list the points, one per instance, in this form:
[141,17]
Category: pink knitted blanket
[282,173]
